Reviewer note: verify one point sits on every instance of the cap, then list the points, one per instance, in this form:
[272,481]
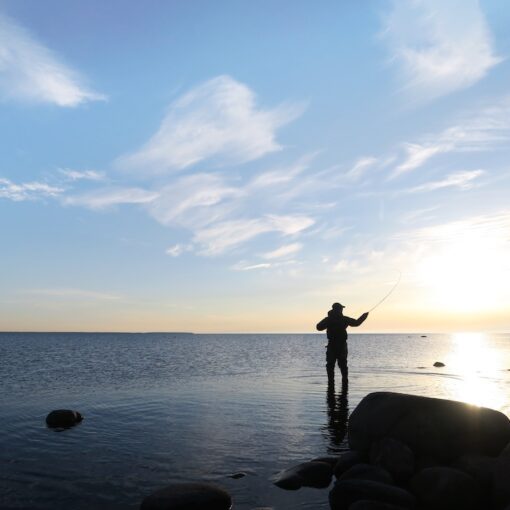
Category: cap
[336,306]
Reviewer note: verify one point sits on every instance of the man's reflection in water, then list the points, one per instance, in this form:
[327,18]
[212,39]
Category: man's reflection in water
[338,411]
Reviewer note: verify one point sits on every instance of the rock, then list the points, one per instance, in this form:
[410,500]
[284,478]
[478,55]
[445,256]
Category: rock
[236,476]
[346,461]
[367,472]
[373,505]
[432,427]
[393,456]
[329,460]
[188,496]
[500,482]
[439,364]
[347,492]
[444,488]
[63,418]
[308,474]
[479,467]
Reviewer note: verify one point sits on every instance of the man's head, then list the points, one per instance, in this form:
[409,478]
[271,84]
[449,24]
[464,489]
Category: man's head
[337,307]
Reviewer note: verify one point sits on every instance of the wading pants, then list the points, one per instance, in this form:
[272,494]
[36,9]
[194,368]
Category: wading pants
[337,353]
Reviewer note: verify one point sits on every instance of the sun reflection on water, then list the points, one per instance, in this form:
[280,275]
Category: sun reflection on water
[477,365]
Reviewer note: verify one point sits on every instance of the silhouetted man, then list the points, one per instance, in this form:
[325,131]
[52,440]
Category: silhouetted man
[336,324]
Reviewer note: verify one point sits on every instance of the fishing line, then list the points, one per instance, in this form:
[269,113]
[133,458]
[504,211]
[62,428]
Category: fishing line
[389,293]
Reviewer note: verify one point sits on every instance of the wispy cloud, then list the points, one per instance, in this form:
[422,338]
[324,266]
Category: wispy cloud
[108,197]
[244,266]
[360,167]
[480,130]
[27,191]
[283,251]
[178,249]
[222,236]
[31,72]
[81,175]
[463,180]
[440,46]
[218,119]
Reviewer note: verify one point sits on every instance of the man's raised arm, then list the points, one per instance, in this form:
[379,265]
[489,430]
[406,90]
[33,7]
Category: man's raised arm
[356,322]
[323,324]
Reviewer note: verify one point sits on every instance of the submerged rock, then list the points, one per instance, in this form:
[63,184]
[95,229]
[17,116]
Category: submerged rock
[373,505]
[347,492]
[442,429]
[308,474]
[63,418]
[444,488]
[188,496]
[439,364]
[236,476]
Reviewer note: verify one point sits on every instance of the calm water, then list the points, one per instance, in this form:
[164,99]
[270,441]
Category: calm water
[161,408]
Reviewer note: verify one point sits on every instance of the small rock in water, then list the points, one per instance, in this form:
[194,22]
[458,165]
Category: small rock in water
[63,418]
[439,364]
[308,474]
[424,336]
[188,496]
[236,476]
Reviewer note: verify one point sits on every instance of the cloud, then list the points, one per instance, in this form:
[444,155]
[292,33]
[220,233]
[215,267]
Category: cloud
[27,191]
[108,197]
[440,46]
[31,72]
[82,175]
[178,249]
[463,180]
[480,130]
[218,119]
[225,235]
[283,251]
[243,266]
[360,167]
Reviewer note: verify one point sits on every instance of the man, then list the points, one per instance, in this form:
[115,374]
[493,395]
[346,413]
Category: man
[336,324]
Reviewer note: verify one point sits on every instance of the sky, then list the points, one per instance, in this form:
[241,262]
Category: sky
[239,166]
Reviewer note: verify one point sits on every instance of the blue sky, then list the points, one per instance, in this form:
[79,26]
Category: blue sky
[237,166]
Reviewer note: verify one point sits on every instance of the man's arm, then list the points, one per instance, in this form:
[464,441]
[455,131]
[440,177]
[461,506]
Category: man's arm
[357,322]
[323,324]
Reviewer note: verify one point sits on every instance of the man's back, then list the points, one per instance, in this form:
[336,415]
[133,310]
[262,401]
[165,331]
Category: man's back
[336,324]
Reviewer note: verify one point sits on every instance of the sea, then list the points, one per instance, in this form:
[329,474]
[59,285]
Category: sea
[161,408]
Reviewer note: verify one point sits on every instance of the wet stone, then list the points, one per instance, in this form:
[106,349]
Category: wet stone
[63,418]
[346,461]
[439,364]
[308,474]
[395,457]
[373,505]
[367,472]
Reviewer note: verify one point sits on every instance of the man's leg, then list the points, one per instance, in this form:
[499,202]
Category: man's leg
[342,362]
[330,364]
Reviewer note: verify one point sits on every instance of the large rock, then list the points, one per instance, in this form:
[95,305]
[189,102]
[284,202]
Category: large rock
[444,488]
[479,467]
[501,482]
[347,492]
[63,418]
[393,456]
[188,496]
[443,429]
[308,474]
[368,472]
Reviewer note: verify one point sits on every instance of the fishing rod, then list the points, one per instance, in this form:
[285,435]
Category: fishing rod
[389,293]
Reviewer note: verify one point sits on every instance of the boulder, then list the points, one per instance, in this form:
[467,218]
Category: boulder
[346,461]
[63,418]
[442,429]
[393,456]
[373,505]
[367,472]
[347,492]
[500,485]
[308,474]
[444,488]
[479,467]
[328,459]
[188,496]
[439,364]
